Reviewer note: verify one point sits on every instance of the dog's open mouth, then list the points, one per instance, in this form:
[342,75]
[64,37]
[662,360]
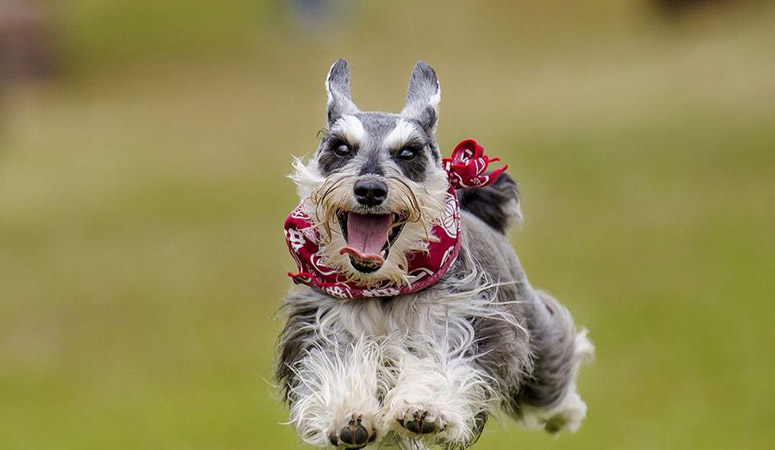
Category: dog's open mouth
[369,238]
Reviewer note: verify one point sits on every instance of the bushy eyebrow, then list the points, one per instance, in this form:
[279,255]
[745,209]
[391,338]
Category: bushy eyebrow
[414,141]
[404,133]
[349,129]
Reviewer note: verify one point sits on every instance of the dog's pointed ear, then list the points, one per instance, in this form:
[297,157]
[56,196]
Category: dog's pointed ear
[338,90]
[423,97]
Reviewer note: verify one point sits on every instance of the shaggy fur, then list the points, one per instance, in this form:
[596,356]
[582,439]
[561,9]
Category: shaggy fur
[429,367]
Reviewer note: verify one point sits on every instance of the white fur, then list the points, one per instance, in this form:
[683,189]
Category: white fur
[306,176]
[334,389]
[410,354]
[313,187]
[435,100]
[413,109]
[440,316]
[434,103]
[424,338]
[446,387]
[404,443]
[351,129]
[341,97]
[382,361]
[400,135]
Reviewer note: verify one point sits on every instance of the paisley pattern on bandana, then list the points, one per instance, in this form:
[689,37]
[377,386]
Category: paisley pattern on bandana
[465,168]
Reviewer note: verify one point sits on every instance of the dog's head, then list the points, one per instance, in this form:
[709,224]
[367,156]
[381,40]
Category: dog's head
[375,186]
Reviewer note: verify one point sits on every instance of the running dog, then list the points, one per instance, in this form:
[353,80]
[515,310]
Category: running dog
[416,320]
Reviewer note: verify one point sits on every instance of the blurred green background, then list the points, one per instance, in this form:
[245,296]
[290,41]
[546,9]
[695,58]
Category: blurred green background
[142,192]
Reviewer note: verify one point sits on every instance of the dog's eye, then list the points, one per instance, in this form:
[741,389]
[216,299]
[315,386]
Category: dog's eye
[342,150]
[407,154]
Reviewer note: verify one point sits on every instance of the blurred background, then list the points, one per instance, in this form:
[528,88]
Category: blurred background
[143,152]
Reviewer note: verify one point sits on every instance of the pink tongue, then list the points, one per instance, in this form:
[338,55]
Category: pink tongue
[366,235]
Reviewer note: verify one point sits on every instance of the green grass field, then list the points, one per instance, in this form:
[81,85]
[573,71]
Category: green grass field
[142,196]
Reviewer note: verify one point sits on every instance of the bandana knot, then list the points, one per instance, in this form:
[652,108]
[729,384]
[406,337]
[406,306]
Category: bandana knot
[466,168]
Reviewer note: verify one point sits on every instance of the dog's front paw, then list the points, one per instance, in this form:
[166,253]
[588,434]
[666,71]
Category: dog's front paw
[354,434]
[419,420]
[425,421]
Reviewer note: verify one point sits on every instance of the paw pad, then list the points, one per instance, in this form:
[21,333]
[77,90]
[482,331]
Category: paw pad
[420,422]
[353,435]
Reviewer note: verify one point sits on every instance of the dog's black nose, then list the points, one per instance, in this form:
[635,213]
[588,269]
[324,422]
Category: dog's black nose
[370,192]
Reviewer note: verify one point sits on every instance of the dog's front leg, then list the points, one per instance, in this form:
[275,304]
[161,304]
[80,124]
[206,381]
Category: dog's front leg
[435,395]
[334,393]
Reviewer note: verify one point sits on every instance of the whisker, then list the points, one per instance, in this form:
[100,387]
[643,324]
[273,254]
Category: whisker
[414,203]
[324,212]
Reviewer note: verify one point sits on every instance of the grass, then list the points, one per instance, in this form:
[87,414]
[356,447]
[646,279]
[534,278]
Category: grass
[141,258]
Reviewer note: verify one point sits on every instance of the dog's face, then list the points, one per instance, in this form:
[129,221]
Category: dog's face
[375,186]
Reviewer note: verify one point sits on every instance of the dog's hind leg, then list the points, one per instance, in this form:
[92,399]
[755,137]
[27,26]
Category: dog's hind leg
[549,398]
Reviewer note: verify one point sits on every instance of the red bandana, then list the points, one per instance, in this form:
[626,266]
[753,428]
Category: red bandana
[465,169]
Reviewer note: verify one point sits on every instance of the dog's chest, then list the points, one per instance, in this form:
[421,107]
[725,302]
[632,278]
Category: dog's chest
[407,314]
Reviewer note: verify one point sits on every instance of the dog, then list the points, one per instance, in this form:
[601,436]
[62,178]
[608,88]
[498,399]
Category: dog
[419,321]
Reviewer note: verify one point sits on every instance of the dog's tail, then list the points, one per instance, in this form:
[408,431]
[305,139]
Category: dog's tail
[497,205]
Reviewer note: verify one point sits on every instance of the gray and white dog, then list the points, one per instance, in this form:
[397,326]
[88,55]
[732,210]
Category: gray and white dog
[429,367]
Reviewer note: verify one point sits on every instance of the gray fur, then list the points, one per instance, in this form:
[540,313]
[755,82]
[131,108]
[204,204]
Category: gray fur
[552,344]
[378,125]
[338,88]
[533,369]
[483,312]
[497,205]
[420,105]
